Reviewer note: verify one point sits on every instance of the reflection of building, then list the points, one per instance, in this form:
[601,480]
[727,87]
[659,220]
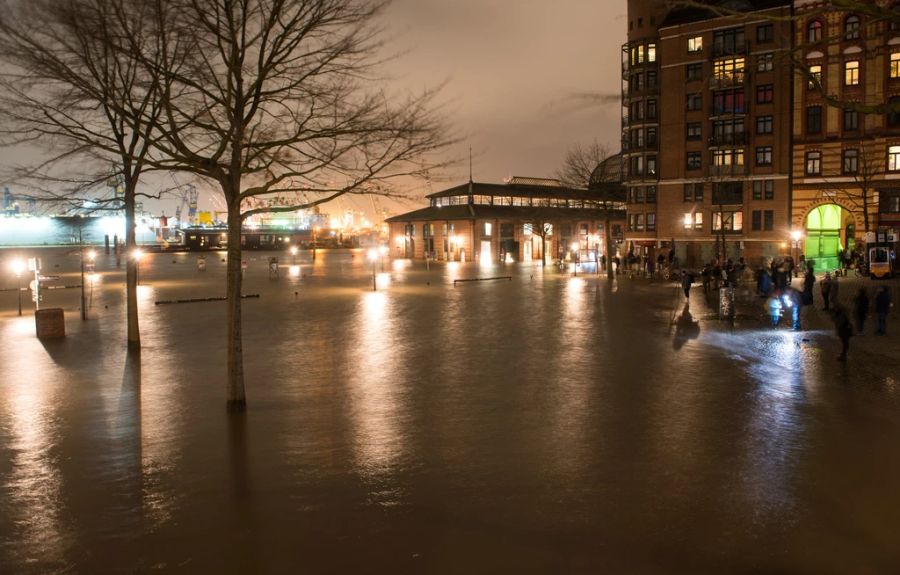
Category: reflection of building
[846,156]
[707,160]
[522,220]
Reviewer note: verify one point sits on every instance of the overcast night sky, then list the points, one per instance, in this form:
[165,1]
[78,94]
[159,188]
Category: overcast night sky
[516,70]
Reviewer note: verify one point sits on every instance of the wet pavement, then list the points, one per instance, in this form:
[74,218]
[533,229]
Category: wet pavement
[544,423]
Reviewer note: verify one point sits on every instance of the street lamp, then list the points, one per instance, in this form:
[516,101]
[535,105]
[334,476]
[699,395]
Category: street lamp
[17,267]
[92,257]
[575,246]
[373,257]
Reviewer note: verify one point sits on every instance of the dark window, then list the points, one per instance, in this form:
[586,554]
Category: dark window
[728,102]
[694,130]
[851,27]
[763,189]
[893,112]
[728,193]
[694,160]
[651,222]
[651,137]
[889,201]
[652,79]
[693,192]
[728,41]
[765,94]
[694,72]
[651,109]
[814,31]
[813,163]
[764,125]
[765,33]
[639,195]
[756,220]
[851,120]
[651,165]
[765,62]
[814,120]
[764,156]
[651,194]
[726,132]
[768,220]
[694,102]
[850,164]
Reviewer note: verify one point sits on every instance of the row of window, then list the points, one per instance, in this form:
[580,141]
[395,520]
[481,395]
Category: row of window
[519,201]
[851,28]
[732,41]
[850,161]
[730,101]
[642,109]
[641,194]
[730,192]
[728,221]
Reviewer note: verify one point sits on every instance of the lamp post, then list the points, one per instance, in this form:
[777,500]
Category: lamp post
[17,267]
[92,256]
[795,245]
[373,257]
[575,246]
[315,233]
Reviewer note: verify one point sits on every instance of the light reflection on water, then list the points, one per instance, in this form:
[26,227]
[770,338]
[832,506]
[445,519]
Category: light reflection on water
[376,396]
[520,421]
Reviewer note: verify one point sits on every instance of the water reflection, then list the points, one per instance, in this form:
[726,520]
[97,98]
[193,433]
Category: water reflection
[377,401]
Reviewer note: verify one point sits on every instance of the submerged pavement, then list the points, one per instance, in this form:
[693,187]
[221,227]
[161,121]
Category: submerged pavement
[543,423]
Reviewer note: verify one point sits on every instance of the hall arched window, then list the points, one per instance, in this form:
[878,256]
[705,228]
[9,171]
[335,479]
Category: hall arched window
[814,31]
[851,27]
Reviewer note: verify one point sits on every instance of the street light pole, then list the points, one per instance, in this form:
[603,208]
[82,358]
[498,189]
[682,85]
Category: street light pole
[373,257]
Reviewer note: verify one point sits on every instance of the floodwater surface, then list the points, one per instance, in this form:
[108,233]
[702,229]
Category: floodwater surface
[543,423]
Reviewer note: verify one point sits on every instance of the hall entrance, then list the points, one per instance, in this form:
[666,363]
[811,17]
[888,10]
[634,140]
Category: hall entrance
[829,230]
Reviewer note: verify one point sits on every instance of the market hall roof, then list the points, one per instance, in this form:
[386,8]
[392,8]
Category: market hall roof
[477,211]
[520,190]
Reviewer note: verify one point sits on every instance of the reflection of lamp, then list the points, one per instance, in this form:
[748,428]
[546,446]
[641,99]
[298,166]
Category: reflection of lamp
[373,257]
[17,267]
[293,254]
[575,246]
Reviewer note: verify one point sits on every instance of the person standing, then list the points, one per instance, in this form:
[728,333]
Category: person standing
[686,281]
[835,291]
[843,328]
[882,306]
[825,286]
[861,309]
[809,281]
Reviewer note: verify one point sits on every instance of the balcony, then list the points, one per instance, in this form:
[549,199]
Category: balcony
[728,48]
[728,80]
[729,139]
[728,170]
[719,110]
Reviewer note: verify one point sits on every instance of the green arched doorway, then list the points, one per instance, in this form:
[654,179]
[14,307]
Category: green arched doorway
[823,236]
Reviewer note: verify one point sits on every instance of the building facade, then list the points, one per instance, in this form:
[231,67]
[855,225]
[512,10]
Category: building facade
[524,220]
[708,158]
[846,136]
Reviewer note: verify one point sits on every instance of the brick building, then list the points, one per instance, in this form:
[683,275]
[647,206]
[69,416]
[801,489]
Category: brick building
[707,159]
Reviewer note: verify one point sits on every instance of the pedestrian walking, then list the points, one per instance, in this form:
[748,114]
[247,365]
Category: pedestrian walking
[882,307]
[860,309]
[835,289]
[686,281]
[809,281]
[825,287]
[843,328]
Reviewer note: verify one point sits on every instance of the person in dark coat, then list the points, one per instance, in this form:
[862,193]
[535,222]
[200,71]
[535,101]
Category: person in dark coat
[686,281]
[860,309]
[809,281]
[825,286]
[843,328]
[882,307]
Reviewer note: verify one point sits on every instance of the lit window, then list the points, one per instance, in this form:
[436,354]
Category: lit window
[695,44]
[894,159]
[693,220]
[815,77]
[851,73]
[488,228]
[895,65]
[651,52]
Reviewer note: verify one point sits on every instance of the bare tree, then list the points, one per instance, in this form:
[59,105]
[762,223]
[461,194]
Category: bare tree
[71,89]
[860,169]
[593,167]
[269,98]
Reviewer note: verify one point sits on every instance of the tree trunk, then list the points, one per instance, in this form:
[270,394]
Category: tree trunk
[134,333]
[237,400]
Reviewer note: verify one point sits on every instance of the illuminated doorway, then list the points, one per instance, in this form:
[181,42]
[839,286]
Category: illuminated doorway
[823,236]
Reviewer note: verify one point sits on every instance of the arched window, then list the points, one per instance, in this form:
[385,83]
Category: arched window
[814,31]
[851,27]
